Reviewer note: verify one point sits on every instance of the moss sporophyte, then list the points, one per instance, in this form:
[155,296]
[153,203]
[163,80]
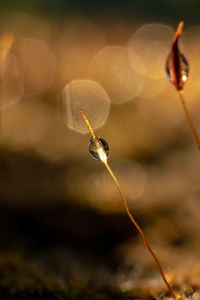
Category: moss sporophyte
[177,69]
[99,149]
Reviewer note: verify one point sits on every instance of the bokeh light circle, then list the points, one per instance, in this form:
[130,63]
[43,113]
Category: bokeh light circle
[11,89]
[91,98]
[25,123]
[36,64]
[116,69]
[152,42]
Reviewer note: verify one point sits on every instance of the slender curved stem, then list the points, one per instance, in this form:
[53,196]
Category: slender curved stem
[103,158]
[139,229]
[189,120]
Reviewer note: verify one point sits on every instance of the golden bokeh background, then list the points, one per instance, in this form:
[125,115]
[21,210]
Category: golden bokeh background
[59,208]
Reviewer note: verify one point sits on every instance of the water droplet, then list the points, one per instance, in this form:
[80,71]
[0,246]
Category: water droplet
[184,68]
[94,151]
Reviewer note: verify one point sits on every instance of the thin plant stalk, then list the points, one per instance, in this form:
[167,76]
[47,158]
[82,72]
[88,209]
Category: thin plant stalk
[178,76]
[103,158]
[189,120]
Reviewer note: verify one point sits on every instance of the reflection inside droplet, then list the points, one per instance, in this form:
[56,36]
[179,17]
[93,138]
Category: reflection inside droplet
[94,151]
[91,98]
[184,68]
[117,73]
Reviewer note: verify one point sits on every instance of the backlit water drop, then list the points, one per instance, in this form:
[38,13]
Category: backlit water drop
[93,148]
[184,68]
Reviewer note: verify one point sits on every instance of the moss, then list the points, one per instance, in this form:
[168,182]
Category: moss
[21,280]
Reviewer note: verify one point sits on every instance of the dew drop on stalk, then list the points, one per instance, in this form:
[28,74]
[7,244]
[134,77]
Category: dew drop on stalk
[184,68]
[177,70]
[98,148]
[96,151]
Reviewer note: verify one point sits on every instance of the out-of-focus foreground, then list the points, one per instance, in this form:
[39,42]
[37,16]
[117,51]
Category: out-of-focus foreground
[64,232]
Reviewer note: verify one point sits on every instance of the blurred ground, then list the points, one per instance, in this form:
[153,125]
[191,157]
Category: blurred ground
[64,231]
